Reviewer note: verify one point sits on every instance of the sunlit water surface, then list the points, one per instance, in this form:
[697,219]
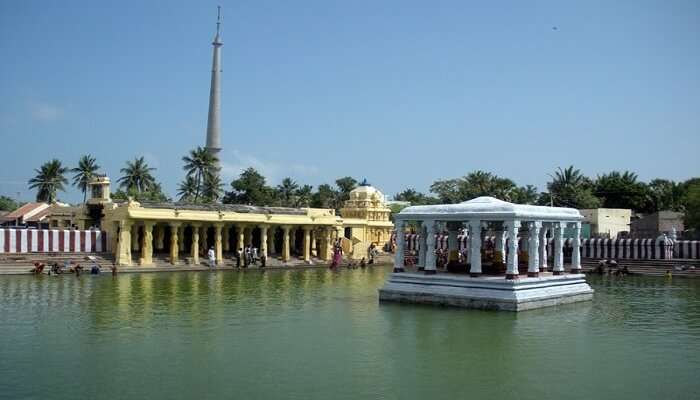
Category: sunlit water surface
[317,334]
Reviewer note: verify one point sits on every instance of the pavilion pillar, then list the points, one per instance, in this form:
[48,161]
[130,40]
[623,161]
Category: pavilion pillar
[264,242]
[241,236]
[218,243]
[400,244]
[533,260]
[512,259]
[559,248]
[475,248]
[181,238]
[430,248]
[307,243]
[326,252]
[285,242]
[314,247]
[543,248]
[249,235]
[271,240]
[174,242]
[159,236]
[123,254]
[422,248]
[226,239]
[499,256]
[452,241]
[576,254]
[147,248]
[203,239]
[195,244]
[135,237]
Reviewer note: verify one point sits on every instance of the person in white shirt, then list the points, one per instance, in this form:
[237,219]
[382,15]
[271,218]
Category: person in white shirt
[212,258]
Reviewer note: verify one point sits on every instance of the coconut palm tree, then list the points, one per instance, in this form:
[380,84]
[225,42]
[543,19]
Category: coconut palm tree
[304,195]
[200,164]
[87,166]
[212,188]
[287,192]
[136,177]
[49,180]
[187,189]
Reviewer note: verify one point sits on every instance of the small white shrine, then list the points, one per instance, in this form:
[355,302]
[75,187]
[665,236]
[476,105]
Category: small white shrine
[539,288]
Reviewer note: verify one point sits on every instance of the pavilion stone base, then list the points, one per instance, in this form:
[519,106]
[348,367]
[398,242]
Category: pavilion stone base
[486,292]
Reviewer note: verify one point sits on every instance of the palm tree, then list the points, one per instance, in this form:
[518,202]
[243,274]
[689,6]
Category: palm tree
[212,188]
[187,189]
[286,191]
[87,166]
[49,180]
[303,196]
[136,177]
[200,164]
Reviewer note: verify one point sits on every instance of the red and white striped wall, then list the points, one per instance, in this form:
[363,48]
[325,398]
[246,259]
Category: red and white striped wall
[51,241]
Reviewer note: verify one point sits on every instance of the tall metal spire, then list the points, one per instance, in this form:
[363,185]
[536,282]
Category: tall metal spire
[213,125]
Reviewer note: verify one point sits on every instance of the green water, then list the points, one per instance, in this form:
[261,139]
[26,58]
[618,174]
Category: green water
[317,334]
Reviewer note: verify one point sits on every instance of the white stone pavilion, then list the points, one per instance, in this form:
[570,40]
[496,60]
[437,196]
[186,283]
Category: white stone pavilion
[508,221]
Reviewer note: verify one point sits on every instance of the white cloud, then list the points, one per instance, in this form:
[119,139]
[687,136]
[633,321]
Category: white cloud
[46,112]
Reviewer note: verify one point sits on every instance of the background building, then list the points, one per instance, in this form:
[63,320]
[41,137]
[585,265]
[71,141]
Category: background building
[607,222]
[652,225]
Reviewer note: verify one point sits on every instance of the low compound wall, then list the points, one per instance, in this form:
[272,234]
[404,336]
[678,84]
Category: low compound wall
[51,241]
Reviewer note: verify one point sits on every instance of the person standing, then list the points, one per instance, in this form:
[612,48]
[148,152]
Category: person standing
[212,258]
[239,254]
[246,257]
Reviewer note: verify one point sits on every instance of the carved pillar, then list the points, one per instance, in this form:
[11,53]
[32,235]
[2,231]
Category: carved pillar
[499,255]
[430,268]
[203,239]
[147,248]
[271,240]
[512,259]
[264,242]
[314,248]
[285,243]
[452,241]
[543,248]
[124,246]
[241,236]
[326,247]
[576,254]
[174,242]
[475,248]
[181,238]
[225,237]
[533,261]
[218,244]
[559,248]
[135,242]
[422,248]
[195,244]
[400,245]
[249,235]
[307,243]
[159,236]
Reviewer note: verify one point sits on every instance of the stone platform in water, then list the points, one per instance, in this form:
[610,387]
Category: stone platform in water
[486,292]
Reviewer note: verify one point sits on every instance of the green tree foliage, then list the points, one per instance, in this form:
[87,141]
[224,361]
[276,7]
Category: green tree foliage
[304,196]
[8,204]
[666,195]
[286,192]
[324,197]
[154,193]
[187,190]
[524,195]
[49,179]
[691,200]
[136,176]
[84,172]
[622,190]
[481,183]
[415,197]
[200,165]
[570,188]
[345,185]
[250,188]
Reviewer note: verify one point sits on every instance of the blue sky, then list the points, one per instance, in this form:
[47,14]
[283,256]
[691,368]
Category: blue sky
[400,92]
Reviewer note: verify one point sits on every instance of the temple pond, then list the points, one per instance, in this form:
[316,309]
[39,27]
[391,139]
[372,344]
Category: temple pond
[317,334]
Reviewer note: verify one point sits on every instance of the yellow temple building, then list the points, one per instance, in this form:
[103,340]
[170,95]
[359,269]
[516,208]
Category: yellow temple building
[177,233]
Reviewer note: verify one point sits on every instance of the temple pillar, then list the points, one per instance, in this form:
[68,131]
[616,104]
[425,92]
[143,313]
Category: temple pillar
[558,248]
[430,258]
[203,239]
[452,241]
[174,242]
[499,254]
[285,242]
[218,243]
[241,236]
[135,237]
[123,253]
[512,258]
[226,239]
[159,236]
[249,235]
[314,248]
[307,243]
[422,248]
[533,261]
[326,252]
[576,254]
[181,238]
[264,242]
[400,244]
[475,248]
[543,248]
[147,248]
[195,244]
[271,240]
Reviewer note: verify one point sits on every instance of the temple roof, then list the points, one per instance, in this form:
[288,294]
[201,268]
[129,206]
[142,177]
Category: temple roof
[489,208]
[239,208]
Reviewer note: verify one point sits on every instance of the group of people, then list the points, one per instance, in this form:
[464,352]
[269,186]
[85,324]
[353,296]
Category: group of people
[67,267]
[244,257]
